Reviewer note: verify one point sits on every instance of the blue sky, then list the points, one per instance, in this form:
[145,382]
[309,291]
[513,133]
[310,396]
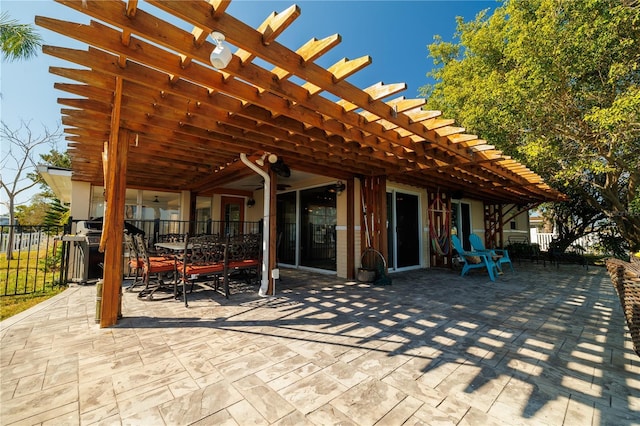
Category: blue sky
[394,33]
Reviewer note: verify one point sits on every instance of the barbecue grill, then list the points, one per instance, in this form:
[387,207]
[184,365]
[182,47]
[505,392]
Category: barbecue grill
[88,260]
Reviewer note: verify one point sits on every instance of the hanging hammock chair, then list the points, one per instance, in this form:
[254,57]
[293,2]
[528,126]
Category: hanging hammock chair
[441,233]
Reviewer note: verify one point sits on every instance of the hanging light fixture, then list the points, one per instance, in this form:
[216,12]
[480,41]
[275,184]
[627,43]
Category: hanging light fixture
[156,200]
[221,55]
[338,187]
[260,161]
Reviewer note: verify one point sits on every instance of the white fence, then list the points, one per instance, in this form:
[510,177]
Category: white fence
[22,241]
[543,239]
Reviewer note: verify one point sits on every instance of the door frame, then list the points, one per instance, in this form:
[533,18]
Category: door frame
[461,228]
[227,201]
[393,236]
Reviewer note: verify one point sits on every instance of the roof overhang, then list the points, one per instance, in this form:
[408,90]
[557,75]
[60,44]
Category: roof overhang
[59,180]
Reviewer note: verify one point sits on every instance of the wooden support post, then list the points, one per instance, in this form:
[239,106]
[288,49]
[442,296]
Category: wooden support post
[375,221]
[493,231]
[113,221]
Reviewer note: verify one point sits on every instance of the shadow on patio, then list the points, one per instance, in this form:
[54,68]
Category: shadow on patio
[538,346]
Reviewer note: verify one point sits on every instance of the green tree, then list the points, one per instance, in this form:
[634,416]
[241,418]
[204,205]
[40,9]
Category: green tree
[57,214]
[33,213]
[556,84]
[17,41]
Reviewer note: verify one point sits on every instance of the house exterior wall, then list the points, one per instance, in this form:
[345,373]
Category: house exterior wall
[521,225]
[81,200]
[81,196]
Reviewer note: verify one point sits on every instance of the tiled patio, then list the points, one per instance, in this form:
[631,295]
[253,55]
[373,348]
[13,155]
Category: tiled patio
[539,347]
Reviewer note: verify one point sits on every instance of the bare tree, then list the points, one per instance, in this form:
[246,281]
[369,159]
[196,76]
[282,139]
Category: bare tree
[17,161]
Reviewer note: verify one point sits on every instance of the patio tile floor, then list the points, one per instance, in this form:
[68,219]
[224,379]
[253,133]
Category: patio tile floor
[541,346]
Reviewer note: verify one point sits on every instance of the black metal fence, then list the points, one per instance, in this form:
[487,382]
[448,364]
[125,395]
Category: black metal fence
[32,259]
[35,258]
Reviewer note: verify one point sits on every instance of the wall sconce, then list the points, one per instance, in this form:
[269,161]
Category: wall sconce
[251,202]
[221,55]
[338,187]
[156,200]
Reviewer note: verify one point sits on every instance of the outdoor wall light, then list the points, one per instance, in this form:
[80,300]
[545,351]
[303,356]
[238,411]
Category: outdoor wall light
[251,202]
[338,187]
[221,55]
[271,158]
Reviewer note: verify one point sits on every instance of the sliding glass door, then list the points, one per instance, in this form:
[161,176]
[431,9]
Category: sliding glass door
[306,228]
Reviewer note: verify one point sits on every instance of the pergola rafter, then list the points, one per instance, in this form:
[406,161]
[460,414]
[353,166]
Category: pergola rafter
[178,106]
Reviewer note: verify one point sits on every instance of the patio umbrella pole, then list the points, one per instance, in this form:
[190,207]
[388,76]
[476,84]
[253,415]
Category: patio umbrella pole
[264,283]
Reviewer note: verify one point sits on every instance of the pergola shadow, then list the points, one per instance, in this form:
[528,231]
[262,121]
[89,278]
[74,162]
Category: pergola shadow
[539,342]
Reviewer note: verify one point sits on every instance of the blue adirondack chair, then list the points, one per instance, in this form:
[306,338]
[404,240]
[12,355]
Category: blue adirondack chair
[485,260]
[499,256]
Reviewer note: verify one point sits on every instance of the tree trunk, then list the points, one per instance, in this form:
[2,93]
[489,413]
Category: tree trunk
[10,236]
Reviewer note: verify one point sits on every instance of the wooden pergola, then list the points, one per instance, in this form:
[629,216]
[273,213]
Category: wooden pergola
[149,110]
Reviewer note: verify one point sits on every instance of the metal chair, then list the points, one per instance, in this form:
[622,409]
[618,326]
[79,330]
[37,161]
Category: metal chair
[156,266]
[135,263]
[203,259]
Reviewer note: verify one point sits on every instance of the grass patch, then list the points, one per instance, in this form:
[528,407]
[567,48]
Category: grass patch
[29,278]
[12,305]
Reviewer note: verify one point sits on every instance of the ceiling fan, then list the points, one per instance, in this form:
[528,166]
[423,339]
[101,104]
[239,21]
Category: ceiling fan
[279,187]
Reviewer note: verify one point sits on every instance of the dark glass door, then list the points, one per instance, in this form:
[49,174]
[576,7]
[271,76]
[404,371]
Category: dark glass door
[318,219]
[407,230]
[286,228]
[461,222]
[465,219]
[391,241]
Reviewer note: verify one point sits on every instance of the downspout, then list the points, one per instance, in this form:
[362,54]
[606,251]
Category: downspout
[264,284]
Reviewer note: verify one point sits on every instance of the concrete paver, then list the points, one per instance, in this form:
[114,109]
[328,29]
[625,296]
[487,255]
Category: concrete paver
[539,346]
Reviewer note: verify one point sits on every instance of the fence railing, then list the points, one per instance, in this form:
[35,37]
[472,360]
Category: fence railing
[21,240]
[545,239]
[33,258]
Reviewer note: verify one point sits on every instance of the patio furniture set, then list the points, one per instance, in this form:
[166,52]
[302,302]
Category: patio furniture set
[481,258]
[189,259]
[521,249]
